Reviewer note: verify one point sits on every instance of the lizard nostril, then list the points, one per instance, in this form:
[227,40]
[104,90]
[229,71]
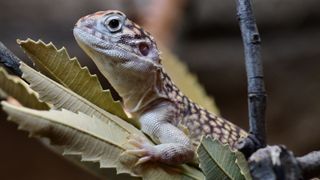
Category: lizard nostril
[144,49]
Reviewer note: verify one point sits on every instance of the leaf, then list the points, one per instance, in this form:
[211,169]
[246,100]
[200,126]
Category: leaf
[187,82]
[78,133]
[63,98]
[59,101]
[218,161]
[67,71]
[93,139]
[243,165]
[17,88]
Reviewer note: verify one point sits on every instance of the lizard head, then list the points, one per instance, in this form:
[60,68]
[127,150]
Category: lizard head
[124,53]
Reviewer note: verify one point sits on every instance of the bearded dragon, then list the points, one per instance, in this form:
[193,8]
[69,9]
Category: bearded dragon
[129,59]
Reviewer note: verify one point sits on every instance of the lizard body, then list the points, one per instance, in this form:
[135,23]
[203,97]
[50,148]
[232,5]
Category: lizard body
[129,58]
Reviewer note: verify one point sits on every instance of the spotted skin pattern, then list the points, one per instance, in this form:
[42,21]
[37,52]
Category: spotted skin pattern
[198,120]
[163,110]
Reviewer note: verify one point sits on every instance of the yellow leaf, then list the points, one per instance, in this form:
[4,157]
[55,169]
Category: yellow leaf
[17,88]
[93,139]
[63,98]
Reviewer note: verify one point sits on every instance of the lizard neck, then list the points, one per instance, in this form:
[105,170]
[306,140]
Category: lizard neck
[143,93]
[137,98]
[139,83]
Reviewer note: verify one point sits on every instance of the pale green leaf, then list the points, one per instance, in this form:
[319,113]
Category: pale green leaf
[93,139]
[218,161]
[17,88]
[67,71]
[243,165]
[63,98]
[79,134]
[90,167]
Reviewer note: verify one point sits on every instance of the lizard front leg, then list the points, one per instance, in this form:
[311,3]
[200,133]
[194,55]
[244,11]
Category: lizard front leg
[175,146]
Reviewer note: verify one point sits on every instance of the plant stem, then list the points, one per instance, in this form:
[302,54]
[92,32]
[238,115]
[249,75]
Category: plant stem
[256,88]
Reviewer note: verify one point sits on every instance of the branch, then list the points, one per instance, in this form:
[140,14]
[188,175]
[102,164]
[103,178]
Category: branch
[256,89]
[277,162]
[274,162]
[310,164]
[9,60]
[271,162]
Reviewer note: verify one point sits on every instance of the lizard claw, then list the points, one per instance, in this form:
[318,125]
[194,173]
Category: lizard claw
[143,149]
[143,160]
[137,152]
[136,141]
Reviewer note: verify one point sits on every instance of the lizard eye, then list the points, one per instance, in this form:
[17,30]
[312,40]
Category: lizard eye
[144,48]
[113,24]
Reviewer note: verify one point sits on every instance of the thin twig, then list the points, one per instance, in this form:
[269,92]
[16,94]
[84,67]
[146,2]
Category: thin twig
[256,89]
[274,162]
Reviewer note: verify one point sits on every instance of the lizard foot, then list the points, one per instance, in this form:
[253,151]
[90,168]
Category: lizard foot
[143,149]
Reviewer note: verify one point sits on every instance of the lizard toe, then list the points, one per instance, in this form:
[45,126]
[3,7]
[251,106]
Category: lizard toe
[142,149]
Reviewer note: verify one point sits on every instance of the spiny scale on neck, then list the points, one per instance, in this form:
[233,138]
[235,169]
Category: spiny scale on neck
[197,119]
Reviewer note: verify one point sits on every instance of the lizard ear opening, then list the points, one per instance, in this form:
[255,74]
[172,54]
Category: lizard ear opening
[144,48]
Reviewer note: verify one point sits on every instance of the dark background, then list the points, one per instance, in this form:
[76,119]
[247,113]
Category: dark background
[205,35]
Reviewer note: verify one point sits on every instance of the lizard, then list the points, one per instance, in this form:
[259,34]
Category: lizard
[128,57]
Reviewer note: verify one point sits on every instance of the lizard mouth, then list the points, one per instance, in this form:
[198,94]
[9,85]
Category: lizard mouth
[90,39]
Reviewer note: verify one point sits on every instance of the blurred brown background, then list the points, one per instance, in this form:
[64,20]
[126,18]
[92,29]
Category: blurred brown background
[205,35]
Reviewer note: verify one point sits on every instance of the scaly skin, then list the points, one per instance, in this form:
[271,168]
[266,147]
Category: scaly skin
[129,58]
